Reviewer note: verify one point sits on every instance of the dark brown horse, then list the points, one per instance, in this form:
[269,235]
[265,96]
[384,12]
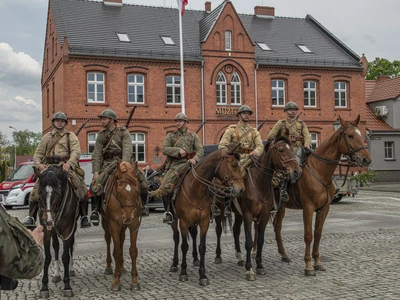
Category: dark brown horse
[122,210]
[314,191]
[194,199]
[58,211]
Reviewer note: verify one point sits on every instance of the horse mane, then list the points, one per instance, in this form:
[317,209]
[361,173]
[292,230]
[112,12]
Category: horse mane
[128,169]
[280,138]
[52,175]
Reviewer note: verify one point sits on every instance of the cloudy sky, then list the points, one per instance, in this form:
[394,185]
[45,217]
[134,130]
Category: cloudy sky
[366,26]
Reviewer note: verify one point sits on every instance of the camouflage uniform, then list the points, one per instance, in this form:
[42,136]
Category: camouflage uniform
[20,256]
[298,132]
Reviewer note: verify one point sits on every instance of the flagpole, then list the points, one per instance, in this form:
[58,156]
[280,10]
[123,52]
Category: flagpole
[182,69]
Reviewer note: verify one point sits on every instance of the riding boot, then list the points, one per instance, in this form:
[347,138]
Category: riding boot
[94,217]
[30,221]
[167,218]
[83,208]
[145,209]
[283,194]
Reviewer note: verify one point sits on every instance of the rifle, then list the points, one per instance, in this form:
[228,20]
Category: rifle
[130,117]
[201,125]
[262,124]
[81,127]
[298,116]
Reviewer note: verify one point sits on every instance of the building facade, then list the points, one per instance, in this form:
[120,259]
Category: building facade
[108,54]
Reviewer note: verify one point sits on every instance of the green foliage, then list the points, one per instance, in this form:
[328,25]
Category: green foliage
[364,177]
[26,141]
[5,155]
[382,66]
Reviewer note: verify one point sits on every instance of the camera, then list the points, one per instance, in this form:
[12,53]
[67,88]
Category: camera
[7,283]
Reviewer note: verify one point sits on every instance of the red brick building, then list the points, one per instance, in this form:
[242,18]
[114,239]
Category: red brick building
[108,54]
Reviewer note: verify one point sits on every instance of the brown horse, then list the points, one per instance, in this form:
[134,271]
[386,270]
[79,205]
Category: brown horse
[314,191]
[122,210]
[194,199]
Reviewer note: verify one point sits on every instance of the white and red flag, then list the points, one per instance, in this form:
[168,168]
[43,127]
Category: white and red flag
[181,5]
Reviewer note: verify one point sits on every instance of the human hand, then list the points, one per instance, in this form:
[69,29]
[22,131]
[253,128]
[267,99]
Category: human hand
[42,167]
[192,161]
[182,152]
[66,167]
[306,145]
[38,234]
[95,175]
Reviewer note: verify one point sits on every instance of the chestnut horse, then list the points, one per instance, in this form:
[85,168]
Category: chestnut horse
[58,211]
[122,210]
[314,191]
[193,202]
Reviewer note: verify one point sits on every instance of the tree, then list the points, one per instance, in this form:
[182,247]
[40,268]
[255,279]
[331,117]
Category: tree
[382,66]
[5,155]
[26,141]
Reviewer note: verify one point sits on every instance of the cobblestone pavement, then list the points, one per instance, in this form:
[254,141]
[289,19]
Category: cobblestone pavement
[360,249]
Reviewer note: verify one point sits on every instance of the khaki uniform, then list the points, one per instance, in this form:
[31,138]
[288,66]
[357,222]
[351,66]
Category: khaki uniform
[251,141]
[176,165]
[66,150]
[21,257]
[298,132]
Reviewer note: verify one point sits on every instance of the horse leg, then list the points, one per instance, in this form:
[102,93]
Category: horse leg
[56,248]
[203,281]
[66,259]
[278,234]
[193,234]
[184,248]
[174,266]
[236,235]
[44,291]
[133,252]
[248,245]
[115,234]
[218,231]
[107,237]
[122,239]
[254,250]
[260,243]
[308,236]
[319,224]
[71,260]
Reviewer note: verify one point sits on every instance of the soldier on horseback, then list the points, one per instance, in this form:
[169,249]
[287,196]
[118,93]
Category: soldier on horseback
[183,149]
[113,144]
[59,147]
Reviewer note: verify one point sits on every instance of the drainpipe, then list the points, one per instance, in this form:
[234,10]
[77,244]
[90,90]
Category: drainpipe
[255,91]
[202,101]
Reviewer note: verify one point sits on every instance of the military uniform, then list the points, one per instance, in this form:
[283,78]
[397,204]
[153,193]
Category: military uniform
[298,132]
[20,256]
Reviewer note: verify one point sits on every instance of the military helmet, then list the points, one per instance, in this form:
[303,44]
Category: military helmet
[290,105]
[108,113]
[60,115]
[244,108]
[181,116]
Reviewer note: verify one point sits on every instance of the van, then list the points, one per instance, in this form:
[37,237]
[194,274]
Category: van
[15,190]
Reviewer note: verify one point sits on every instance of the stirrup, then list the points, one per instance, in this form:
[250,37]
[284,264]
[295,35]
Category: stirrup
[94,218]
[145,211]
[227,211]
[216,211]
[29,222]
[168,218]
[284,197]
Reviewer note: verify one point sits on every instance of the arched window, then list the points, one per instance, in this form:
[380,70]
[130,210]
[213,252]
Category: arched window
[236,95]
[221,88]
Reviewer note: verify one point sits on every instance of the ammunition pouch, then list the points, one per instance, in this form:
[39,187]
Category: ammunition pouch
[111,154]
[56,159]
[294,138]
[243,150]
[188,156]
[79,171]
[98,187]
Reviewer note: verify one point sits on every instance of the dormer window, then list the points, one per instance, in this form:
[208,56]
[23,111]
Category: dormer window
[263,46]
[167,40]
[123,37]
[304,48]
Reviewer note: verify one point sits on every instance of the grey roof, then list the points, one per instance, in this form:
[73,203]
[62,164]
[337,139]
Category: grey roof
[91,28]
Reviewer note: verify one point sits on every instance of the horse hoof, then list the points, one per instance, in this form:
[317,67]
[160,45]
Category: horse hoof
[286,259]
[240,263]
[218,260]
[183,278]
[260,271]
[135,286]
[56,279]
[44,294]
[196,263]
[320,267]
[116,287]
[68,293]
[250,277]
[309,272]
[204,281]
[108,272]
[173,269]
[71,273]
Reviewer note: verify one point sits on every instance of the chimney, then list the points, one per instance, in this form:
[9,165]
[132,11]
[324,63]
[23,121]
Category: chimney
[264,12]
[208,6]
[113,2]
[382,77]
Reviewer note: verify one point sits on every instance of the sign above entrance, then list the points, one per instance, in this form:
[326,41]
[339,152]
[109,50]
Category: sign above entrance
[226,111]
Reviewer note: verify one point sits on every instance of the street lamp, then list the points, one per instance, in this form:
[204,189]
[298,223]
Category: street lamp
[15,148]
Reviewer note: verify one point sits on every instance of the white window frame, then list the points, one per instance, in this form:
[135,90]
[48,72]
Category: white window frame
[280,92]
[176,89]
[96,83]
[340,94]
[308,91]
[314,140]
[91,141]
[136,85]
[123,37]
[228,40]
[389,150]
[167,40]
[236,90]
[304,48]
[221,88]
[263,46]
[136,143]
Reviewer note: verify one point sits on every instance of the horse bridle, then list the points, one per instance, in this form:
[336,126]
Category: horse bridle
[122,206]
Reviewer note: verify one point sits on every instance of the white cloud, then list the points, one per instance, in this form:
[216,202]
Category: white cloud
[20,109]
[18,69]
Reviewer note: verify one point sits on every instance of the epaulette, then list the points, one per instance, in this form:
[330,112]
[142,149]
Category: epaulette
[122,128]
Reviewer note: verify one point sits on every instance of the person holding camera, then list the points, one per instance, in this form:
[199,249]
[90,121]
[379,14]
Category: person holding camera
[21,251]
